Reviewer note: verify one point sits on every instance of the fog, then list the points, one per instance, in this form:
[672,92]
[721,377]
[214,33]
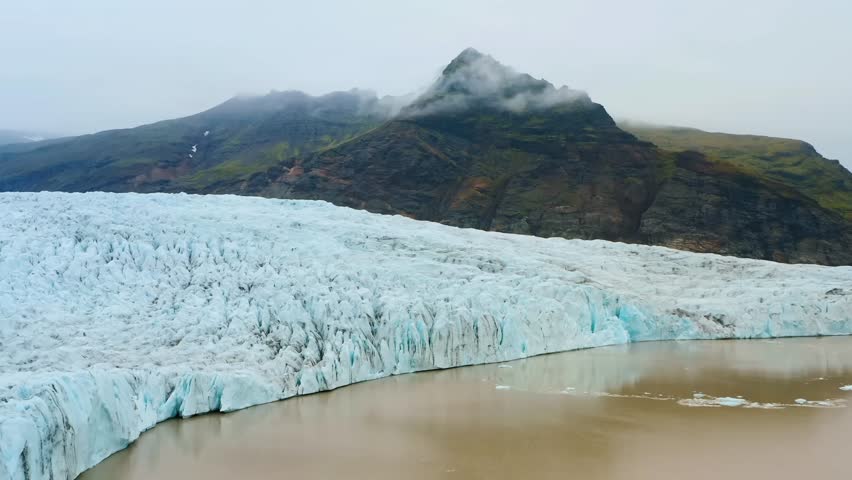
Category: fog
[777,68]
[474,77]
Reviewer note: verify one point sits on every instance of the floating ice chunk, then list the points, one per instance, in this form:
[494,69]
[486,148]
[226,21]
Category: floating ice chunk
[702,400]
[646,396]
[731,402]
[194,148]
[206,132]
[619,395]
[846,388]
[830,403]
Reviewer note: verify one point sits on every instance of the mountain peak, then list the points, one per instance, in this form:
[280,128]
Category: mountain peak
[470,52]
[467,57]
[475,79]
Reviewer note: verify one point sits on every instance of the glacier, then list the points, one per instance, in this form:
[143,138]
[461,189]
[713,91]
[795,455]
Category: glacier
[119,311]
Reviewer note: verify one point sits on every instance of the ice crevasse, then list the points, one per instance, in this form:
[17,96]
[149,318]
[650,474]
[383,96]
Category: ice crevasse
[118,311]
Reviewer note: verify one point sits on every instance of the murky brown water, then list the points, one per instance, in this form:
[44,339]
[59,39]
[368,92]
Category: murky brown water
[610,413]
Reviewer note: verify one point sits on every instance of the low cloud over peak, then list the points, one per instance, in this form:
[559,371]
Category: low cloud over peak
[474,79]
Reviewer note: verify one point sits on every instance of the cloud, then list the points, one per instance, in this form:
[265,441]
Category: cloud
[476,80]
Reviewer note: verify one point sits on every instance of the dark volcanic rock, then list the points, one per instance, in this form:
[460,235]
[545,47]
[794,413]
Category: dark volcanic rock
[711,207]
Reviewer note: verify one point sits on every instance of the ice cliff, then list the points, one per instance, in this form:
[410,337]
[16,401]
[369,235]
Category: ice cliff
[118,311]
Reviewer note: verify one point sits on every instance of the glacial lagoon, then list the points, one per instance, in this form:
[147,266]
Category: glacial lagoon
[694,409]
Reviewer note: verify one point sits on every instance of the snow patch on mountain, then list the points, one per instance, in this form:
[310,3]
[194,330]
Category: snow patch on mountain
[119,311]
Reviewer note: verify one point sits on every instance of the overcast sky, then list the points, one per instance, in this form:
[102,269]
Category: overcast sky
[772,67]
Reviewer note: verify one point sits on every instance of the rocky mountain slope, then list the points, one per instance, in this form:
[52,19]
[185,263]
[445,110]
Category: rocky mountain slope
[794,163]
[490,148]
[483,147]
[9,137]
[238,137]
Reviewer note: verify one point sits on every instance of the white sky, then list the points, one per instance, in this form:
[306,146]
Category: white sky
[780,67]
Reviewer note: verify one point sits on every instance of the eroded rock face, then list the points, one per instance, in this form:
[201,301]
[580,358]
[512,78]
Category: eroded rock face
[790,162]
[704,207]
[579,192]
[605,186]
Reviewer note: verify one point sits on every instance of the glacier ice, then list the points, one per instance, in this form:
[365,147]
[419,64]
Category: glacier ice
[118,311]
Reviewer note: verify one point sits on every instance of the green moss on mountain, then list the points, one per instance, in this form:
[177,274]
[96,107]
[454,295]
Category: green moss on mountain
[240,137]
[793,163]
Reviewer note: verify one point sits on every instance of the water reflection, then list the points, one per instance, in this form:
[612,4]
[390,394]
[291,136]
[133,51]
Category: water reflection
[619,368]
[456,423]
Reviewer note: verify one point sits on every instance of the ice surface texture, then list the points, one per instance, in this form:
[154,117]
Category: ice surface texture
[118,311]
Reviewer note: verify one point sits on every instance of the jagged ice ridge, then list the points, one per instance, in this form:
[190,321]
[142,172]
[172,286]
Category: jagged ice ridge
[118,311]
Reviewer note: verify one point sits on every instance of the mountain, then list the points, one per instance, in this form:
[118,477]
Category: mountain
[238,137]
[8,137]
[792,162]
[483,147]
[486,147]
